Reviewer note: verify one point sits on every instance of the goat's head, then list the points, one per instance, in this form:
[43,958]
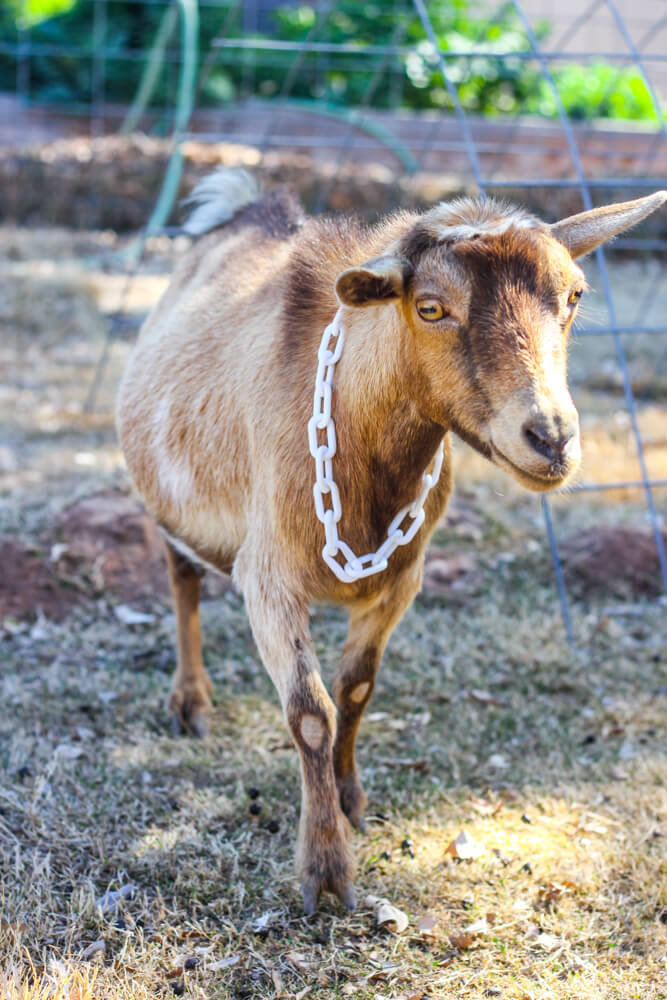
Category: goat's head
[486,295]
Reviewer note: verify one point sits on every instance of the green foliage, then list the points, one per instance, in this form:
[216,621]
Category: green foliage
[32,12]
[486,84]
[598,91]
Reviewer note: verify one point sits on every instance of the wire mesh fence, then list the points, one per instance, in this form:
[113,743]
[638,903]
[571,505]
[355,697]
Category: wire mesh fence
[558,109]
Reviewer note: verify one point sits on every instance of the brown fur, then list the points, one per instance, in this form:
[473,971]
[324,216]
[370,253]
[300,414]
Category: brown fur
[212,417]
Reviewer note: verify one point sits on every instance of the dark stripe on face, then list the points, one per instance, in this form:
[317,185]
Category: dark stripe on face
[469,438]
[416,243]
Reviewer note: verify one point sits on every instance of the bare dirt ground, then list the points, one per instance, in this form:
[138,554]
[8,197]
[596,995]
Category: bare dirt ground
[136,865]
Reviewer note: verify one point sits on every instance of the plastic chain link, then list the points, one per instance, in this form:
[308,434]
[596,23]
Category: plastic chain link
[321,423]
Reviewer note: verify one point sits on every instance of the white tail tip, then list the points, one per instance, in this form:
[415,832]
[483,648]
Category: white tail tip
[218,197]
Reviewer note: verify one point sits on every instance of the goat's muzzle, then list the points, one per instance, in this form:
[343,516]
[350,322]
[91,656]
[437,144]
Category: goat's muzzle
[537,440]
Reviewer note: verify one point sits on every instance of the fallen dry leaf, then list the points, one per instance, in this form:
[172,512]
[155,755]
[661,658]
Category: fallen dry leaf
[386,913]
[442,573]
[277,982]
[427,924]
[477,927]
[461,940]
[385,971]
[113,897]
[552,891]
[264,921]
[68,752]
[298,960]
[420,764]
[548,941]
[485,697]
[464,847]
[485,808]
[94,950]
[130,616]
[598,828]
[467,937]
[222,963]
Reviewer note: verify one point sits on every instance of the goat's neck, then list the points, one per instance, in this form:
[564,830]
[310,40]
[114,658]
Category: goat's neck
[385,441]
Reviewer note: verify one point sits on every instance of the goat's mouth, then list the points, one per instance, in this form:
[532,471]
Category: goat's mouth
[552,477]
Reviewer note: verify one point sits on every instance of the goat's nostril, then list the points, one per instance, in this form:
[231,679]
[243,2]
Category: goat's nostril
[549,444]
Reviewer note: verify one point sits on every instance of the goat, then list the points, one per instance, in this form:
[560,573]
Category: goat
[455,321]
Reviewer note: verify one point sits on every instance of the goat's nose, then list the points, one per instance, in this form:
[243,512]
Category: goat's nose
[550,439]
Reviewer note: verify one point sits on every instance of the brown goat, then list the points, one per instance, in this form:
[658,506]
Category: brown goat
[455,320]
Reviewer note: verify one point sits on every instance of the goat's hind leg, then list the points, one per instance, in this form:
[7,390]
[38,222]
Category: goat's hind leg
[190,698]
[354,680]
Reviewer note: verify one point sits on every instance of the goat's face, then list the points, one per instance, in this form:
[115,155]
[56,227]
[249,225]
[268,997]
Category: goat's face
[486,297]
[489,320]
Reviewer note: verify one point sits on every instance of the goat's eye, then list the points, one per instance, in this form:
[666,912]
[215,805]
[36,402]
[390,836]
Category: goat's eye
[430,310]
[574,296]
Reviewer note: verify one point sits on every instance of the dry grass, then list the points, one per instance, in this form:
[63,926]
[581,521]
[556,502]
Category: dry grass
[483,721]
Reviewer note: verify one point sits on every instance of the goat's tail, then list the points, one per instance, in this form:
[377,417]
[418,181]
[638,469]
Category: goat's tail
[218,197]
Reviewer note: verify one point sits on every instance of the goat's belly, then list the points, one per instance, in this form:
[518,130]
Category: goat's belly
[200,510]
[209,538]
[204,518]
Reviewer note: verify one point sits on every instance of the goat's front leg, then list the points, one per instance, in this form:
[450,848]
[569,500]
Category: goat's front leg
[279,622]
[354,680]
[190,698]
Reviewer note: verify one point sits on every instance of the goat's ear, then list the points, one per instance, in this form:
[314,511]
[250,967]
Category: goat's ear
[378,280]
[586,231]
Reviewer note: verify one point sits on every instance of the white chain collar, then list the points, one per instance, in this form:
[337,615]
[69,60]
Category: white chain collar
[355,567]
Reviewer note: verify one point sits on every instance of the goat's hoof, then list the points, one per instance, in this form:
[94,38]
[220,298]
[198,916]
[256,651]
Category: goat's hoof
[189,708]
[327,866]
[311,890]
[353,801]
[197,725]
